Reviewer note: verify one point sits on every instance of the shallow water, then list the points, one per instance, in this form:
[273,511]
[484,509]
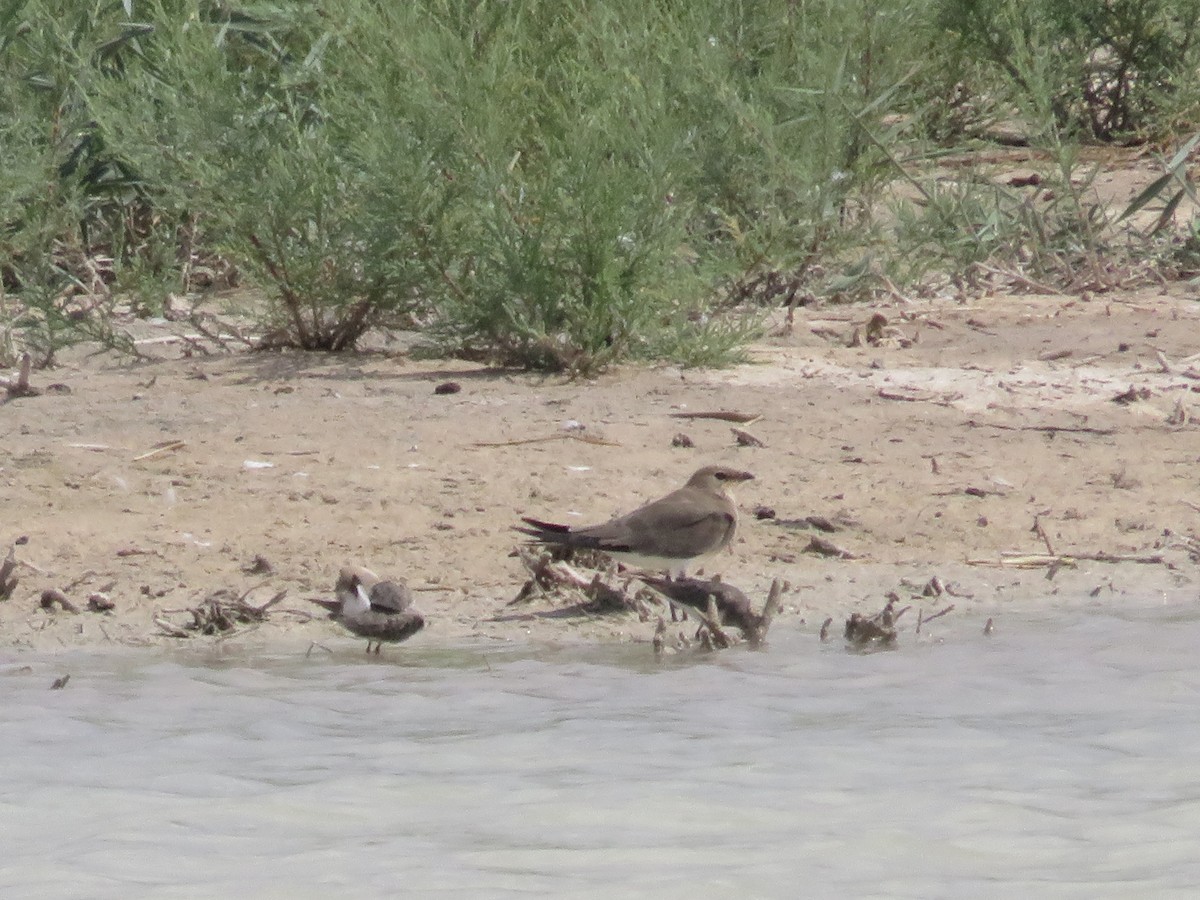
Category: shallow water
[1056,758]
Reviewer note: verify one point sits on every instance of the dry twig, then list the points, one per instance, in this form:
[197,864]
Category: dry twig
[567,436]
[723,415]
[159,449]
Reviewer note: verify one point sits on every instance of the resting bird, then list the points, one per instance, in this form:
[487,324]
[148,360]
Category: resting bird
[377,610]
[667,535]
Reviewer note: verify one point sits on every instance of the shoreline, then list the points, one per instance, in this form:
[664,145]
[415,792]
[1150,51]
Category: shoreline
[162,483]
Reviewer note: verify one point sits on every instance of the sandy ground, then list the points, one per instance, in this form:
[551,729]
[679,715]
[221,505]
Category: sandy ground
[933,452]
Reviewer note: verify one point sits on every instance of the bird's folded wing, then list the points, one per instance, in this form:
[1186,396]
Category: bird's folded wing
[390,596]
[681,538]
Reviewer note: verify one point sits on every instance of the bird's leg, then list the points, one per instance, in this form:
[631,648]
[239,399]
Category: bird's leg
[378,647]
[368,646]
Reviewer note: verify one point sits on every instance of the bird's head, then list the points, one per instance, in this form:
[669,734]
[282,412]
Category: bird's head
[717,478]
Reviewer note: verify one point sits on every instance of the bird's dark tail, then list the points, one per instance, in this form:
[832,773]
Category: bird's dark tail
[545,530]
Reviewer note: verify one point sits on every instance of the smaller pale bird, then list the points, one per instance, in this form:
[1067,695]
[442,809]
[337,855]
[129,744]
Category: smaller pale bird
[377,610]
[666,535]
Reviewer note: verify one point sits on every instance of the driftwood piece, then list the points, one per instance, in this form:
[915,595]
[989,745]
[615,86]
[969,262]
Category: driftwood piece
[719,604]
[100,602]
[1040,531]
[1041,560]
[8,574]
[825,547]
[1049,429]
[566,436]
[746,439]
[711,635]
[732,605]
[922,619]
[52,597]
[864,633]
[722,415]
[220,613]
[878,632]
[171,629]
[160,449]
[551,574]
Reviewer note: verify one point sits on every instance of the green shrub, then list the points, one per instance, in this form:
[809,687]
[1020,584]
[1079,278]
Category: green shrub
[65,201]
[1120,67]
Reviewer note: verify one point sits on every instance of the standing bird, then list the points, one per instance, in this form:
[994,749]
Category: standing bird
[667,535]
[377,610]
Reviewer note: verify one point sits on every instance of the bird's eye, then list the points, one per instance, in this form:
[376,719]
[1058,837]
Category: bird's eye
[720,476]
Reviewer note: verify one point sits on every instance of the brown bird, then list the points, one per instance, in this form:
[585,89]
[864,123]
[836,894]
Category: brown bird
[377,610]
[669,534]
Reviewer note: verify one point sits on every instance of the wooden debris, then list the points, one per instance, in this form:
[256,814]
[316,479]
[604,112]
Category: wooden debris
[988,627]
[825,629]
[732,606]
[953,590]
[552,575]
[8,574]
[172,630]
[260,565]
[683,441]
[875,633]
[759,635]
[311,645]
[1179,415]
[60,683]
[100,602]
[1132,395]
[716,605]
[914,397]
[1052,355]
[722,415]
[565,436]
[710,634]
[160,449]
[660,637]
[448,387]
[1038,560]
[922,618]
[52,597]
[746,439]
[1147,559]
[825,547]
[221,612]
[1049,429]
[1041,532]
